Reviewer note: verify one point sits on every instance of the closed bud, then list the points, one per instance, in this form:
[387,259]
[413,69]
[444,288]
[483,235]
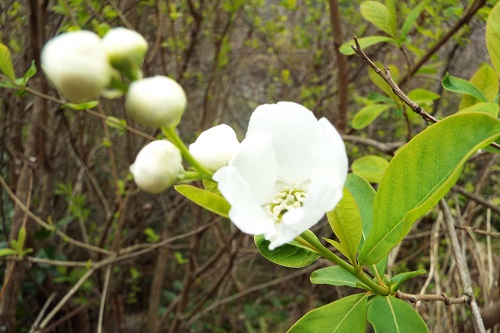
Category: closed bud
[214,147]
[125,49]
[76,63]
[157,101]
[157,166]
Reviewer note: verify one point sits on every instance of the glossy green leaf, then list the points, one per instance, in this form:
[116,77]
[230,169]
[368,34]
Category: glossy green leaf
[345,221]
[206,199]
[364,43]
[380,16]
[422,96]
[397,280]
[462,86]
[493,37]
[334,276]
[370,167]
[364,194]
[489,108]
[293,254]
[486,80]
[389,314]
[6,66]
[420,174]
[367,115]
[347,315]
[411,18]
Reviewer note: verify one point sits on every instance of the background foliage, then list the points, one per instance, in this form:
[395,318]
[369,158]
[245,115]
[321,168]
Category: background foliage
[71,167]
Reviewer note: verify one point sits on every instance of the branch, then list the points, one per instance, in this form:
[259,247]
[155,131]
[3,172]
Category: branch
[432,298]
[388,148]
[387,78]
[462,268]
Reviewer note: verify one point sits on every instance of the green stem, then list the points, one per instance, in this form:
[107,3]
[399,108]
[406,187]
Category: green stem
[356,271]
[177,141]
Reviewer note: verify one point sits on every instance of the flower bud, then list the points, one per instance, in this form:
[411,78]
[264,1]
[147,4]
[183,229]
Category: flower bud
[76,63]
[157,166]
[125,49]
[214,147]
[157,101]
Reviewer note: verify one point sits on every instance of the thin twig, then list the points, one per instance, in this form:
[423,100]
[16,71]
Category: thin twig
[432,298]
[462,268]
[478,231]
[388,148]
[477,199]
[395,88]
[103,299]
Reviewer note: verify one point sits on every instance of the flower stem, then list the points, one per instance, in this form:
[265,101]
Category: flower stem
[356,271]
[177,141]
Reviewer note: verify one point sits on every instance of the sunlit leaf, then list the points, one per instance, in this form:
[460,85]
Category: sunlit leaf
[411,18]
[489,108]
[347,315]
[493,36]
[334,276]
[367,115]
[486,80]
[364,43]
[420,174]
[370,167]
[380,16]
[397,280]
[206,199]
[6,66]
[389,314]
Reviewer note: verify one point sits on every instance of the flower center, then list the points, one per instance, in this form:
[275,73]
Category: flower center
[287,200]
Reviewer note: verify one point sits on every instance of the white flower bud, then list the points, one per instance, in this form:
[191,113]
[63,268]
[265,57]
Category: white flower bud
[157,166]
[157,101]
[214,147]
[76,63]
[125,49]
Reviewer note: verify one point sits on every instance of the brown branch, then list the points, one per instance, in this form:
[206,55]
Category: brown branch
[388,148]
[432,298]
[477,199]
[478,231]
[467,16]
[395,88]
[462,268]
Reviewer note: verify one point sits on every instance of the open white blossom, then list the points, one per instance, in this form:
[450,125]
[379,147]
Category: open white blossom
[156,101]
[76,63]
[214,147]
[125,49]
[287,173]
[157,166]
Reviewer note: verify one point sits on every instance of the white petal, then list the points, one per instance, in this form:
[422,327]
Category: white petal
[256,162]
[293,128]
[245,212]
[330,168]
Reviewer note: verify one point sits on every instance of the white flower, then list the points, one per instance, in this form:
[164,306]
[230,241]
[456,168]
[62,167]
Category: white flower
[157,166]
[125,49]
[214,147]
[157,101]
[287,173]
[77,65]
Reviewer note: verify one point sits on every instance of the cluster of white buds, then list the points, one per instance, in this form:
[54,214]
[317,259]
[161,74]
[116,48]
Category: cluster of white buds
[81,65]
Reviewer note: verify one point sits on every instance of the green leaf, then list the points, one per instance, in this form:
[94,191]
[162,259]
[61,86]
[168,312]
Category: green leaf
[21,237]
[370,167]
[489,108]
[422,96]
[389,314]
[411,18]
[368,114]
[334,276]
[380,16]
[29,73]
[293,254]
[115,122]
[347,315]
[462,86]
[420,174]
[6,66]
[7,252]
[364,43]
[364,194]
[486,80]
[345,221]
[82,106]
[493,37]
[397,280]
[206,199]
